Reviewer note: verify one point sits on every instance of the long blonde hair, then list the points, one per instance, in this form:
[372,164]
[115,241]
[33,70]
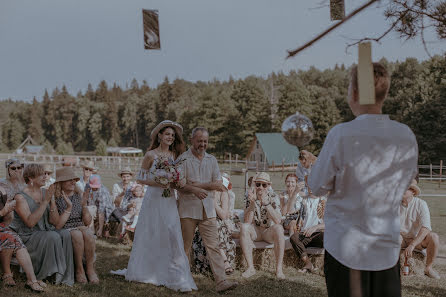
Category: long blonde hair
[58,190]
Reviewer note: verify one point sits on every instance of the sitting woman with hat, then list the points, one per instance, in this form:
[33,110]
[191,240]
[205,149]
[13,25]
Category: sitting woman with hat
[73,215]
[35,215]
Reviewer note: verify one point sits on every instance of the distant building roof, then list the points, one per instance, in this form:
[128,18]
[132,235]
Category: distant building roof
[276,148]
[123,150]
[33,149]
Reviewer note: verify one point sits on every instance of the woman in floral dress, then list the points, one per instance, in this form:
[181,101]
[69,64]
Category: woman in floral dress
[226,243]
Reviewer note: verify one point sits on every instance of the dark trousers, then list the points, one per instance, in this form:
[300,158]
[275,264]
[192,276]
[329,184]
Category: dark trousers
[300,242]
[342,281]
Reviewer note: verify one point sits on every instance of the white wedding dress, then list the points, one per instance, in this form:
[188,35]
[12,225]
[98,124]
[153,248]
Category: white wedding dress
[158,255]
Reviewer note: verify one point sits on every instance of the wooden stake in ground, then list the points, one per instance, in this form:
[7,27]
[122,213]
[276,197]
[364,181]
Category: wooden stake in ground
[337,10]
[366,82]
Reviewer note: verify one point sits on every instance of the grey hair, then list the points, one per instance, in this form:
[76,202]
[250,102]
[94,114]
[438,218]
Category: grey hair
[198,129]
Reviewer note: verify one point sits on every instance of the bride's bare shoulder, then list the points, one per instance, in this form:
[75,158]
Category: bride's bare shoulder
[148,159]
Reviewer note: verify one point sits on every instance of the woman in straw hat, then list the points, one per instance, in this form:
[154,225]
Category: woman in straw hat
[73,215]
[51,250]
[158,255]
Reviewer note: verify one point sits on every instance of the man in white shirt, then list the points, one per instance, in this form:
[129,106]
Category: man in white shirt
[367,165]
[416,230]
[196,203]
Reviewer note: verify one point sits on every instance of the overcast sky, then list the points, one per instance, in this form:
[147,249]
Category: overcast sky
[49,43]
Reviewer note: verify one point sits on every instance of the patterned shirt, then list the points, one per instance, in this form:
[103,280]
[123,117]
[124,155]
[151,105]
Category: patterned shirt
[75,218]
[261,218]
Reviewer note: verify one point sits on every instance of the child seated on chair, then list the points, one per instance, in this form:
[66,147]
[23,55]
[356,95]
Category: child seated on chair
[135,206]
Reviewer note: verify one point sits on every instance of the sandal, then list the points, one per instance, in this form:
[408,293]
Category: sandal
[8,279]
[93,278]
[228,270]
[42,284]
[80,278]
[34,286]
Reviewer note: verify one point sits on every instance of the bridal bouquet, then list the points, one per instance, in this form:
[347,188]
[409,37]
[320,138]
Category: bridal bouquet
[167,171]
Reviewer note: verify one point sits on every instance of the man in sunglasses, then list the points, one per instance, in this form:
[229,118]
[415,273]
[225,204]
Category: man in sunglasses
[262,223]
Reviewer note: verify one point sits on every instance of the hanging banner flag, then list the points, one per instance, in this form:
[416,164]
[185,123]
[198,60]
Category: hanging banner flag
[151,29]
[366,80]
[337,10]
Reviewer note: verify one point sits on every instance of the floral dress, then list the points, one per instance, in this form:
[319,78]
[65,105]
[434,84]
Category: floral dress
[8,238]
[200,262]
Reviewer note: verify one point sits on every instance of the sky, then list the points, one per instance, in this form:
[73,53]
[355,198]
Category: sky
[49,43]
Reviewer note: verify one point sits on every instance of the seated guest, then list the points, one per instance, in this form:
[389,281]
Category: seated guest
[225,242]
[87,168]
[306,161]
[73,215]
[291,206]
[311,227]
[126,183]
[10,244]
[99,202]
[134,206]
[416,231]
[13,183]
[262,222]
[51,250]
[49,180]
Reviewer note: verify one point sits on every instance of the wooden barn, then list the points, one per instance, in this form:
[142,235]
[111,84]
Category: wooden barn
[271,149]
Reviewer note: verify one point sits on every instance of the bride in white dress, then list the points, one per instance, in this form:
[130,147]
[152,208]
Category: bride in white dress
[158,255]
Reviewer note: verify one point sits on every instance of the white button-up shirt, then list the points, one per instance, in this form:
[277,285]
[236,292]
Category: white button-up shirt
[413,217]
[200,171]
[367,165]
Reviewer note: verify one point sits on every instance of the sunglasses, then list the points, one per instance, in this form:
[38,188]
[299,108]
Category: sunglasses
[258,185]
[16,168]
[47,173]
[88,169]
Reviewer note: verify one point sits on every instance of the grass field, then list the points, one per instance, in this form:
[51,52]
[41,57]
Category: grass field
[111,256]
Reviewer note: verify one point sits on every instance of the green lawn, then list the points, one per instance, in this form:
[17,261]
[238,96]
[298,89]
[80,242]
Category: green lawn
[112,255]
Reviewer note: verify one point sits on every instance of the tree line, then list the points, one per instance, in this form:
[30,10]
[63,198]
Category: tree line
[232,110]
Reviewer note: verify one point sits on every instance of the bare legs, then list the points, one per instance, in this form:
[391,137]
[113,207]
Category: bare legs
[84,245]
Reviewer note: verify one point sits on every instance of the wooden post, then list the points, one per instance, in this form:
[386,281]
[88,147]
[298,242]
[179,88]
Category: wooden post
[246,177]
[283,166]
[264,164]
[230,162]
[274,167]
[431,171]
[441,172]
[236,159]
[246,163]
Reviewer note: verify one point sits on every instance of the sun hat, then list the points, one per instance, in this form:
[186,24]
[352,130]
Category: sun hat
[126,170]
[177,127]
[65,174]
[89,165]
[95,181]
[48,168]
[262,177]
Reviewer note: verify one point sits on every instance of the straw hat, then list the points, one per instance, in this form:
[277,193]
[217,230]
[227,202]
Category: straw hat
[262,177]
[65,174]
[48,168]
[89,164]
[126,170]
[95,181]
[177,127]
[413,186]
